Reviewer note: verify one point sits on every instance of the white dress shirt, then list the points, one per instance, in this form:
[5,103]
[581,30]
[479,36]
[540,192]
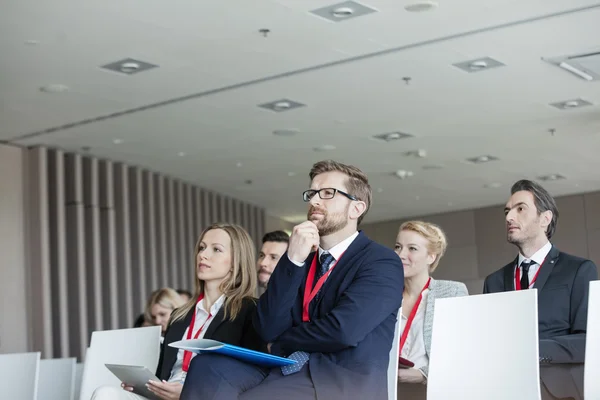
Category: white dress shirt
[336,251]
[202,321]
[539,257]
[414,347]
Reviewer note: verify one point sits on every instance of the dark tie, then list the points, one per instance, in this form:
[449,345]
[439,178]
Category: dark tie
[325,261]
[525,274]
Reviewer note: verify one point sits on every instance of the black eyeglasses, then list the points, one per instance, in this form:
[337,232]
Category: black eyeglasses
[325,193]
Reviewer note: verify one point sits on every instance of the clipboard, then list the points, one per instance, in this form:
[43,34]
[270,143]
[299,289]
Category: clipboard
[200,346]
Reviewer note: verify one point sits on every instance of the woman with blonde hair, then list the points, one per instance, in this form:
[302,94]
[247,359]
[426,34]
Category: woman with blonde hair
[222,309]
[420,245]
[160,305]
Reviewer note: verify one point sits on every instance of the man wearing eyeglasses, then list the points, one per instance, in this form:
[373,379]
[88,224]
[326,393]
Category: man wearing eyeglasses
[331,306]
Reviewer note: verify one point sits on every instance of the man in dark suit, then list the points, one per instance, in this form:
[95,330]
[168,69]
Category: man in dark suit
[331,305]
[562,281]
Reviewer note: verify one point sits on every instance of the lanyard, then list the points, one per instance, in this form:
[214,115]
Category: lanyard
[411,317]
[187,355]
[518,276]
[309,294]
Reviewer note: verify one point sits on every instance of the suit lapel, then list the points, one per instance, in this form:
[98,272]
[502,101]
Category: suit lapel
[509,275]
[429,311]
[546,269]
[217,320]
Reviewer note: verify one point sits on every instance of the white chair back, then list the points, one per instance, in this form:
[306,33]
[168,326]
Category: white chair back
[19,373]
[591,386]
[137,346]
[77,382]
[57,379]
[485,346]
[393,366]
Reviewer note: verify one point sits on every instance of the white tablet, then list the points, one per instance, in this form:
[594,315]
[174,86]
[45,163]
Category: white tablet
[135,376]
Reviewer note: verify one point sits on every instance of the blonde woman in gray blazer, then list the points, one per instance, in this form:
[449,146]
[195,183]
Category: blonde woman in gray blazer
[420,246]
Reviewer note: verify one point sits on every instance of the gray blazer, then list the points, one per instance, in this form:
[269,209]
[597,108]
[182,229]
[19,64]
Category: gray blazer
[438,290]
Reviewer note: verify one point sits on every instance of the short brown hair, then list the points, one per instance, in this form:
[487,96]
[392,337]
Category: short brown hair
[357,183]
[434,235]
[542,199]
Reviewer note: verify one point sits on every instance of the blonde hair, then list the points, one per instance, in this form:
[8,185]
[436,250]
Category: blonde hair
[242,281]
[437,242]
[166,297]
[357,183]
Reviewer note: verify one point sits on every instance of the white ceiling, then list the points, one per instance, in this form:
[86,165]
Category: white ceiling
[215,68]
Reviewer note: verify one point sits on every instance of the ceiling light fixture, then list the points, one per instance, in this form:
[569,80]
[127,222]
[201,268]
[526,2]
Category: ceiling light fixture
[129,66]
[391,136]
[575,71]
[482,159]
[281,105]
[403,174]
[420,153]
[551,177]
[421,6]
[480,64]
[571,104]
[342,12]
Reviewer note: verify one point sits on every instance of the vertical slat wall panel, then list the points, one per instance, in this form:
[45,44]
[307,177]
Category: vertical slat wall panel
[123,220]
[108,253]
[160,189]
[106,235]
[173,235]
[180,246]
[150,233]
[139,265]
[58,252]
[94,270]
[38,232]
[78,299]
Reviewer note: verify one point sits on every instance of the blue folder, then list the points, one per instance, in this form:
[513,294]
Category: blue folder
[200,346]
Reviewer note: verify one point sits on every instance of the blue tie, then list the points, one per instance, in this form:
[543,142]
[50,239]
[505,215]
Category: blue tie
[301,357]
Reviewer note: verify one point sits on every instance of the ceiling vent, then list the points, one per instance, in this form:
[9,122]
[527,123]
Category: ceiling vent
[585,66]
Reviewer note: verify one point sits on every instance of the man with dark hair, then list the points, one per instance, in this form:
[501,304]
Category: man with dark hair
[562,281]
[274,245]
[331,305]
[184,294]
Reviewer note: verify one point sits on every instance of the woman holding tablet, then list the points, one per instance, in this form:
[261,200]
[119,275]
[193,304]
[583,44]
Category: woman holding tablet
[221,309]
[420,246]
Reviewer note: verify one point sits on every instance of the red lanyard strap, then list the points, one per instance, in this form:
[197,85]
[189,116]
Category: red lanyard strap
[187,355]
[309,294]
[518,276]
[411,317]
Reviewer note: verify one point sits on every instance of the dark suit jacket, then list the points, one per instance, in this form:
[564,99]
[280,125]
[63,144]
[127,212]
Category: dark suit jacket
[237,332]
[563,286]
[352,325]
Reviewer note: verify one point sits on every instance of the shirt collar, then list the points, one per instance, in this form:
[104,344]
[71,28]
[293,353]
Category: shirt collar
[539,256]
[339,249]
[215,307]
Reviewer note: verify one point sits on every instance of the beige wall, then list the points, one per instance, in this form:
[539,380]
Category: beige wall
[477,240]
[276,224]
[13,308]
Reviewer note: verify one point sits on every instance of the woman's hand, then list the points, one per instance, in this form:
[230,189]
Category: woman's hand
[410,375]
[165,390]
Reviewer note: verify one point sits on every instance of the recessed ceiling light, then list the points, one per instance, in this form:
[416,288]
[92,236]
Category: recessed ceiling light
[403,174]
[482,159]
[54,88]
[325,147]
[480,64]
[571,104]
[343,11]
[391,136]
[420,153]
[181,154]
[281,105]
[551,177]
[129,66]
[285,132]
[117,141]
[421,6]
[493,185]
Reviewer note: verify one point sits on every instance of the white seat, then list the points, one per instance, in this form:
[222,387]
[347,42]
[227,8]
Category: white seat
[137,346]
[393,365]
[57,379]
[20,373]
[77,381]
[485,347]
[591,386]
